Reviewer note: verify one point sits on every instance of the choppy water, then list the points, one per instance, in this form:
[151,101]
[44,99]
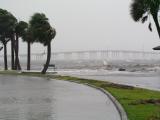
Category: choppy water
[149,80]
[132,66]
[145,74]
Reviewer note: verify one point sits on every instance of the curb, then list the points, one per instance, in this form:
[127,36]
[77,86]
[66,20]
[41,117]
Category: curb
[118,106]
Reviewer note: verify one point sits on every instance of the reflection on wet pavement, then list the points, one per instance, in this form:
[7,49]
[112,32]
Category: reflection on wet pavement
[25,99]
[31,98]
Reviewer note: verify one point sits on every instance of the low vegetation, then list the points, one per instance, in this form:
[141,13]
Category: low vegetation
[140,104]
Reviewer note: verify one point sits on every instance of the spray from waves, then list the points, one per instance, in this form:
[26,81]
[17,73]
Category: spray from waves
[78,65]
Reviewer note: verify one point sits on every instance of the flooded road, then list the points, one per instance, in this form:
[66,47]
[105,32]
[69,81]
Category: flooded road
[32,98]
[149,80]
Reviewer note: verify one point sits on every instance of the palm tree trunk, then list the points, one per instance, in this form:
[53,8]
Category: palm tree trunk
[29,56]
[48,59]
[17,63]
[12,53]
[155,18]
[5,57]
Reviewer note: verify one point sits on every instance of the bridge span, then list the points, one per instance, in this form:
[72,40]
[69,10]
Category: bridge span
[95,55]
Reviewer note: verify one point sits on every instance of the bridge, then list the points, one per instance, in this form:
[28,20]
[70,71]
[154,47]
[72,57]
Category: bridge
[94,55]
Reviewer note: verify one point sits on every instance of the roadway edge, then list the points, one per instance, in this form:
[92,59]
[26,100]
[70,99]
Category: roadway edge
[118,106]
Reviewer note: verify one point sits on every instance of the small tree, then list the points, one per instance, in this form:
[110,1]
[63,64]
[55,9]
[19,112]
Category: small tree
[43,33]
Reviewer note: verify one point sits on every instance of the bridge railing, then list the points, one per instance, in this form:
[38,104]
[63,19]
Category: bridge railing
[94,55]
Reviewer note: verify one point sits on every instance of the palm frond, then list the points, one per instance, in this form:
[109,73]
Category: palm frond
[144,19]
[150,27]
[138,9]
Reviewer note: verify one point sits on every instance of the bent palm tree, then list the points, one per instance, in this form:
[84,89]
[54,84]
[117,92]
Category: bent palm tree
[43,33]
[142,9]
[51,34]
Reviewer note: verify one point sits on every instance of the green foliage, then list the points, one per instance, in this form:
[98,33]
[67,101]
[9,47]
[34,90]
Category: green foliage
[41,29]
[28,35]
[141,10]
[21,28]
[7,25]
[7,21]
[138,9]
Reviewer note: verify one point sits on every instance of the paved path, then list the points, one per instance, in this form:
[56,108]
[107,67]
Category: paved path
[32,98]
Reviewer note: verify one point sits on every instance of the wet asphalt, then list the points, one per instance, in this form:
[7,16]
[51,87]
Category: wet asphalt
[33,98]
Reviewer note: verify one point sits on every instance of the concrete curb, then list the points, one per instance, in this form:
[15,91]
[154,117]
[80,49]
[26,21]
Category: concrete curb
[118,106]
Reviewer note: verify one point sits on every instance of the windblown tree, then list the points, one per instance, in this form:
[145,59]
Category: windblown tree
[20,31]
[7,27]
[43,33]
[141,10]
[28,37]
[4,41]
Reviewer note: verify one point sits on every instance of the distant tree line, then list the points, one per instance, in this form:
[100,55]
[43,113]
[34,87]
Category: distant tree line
[38,29]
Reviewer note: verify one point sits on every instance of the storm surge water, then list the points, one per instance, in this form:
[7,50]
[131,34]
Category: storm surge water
[143,74]
[139,73]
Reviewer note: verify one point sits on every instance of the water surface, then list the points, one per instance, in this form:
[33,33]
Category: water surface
[149,80]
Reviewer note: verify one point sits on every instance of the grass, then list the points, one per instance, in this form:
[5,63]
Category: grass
[129,97]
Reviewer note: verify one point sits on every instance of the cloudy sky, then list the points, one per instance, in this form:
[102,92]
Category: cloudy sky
[87,24]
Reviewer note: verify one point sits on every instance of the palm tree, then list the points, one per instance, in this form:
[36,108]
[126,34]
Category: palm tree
[28,37]
[43,33]
[7,26]
[143,9]
[12,51]
[20,30]
[4,41]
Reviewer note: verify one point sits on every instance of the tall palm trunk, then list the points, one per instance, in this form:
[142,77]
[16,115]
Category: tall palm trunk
[12,53]
[5,57]
[29,55]
[155,18]
[48,59]
[17,63]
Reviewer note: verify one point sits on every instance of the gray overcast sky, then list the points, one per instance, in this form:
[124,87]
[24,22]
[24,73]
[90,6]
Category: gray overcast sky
[87,24]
